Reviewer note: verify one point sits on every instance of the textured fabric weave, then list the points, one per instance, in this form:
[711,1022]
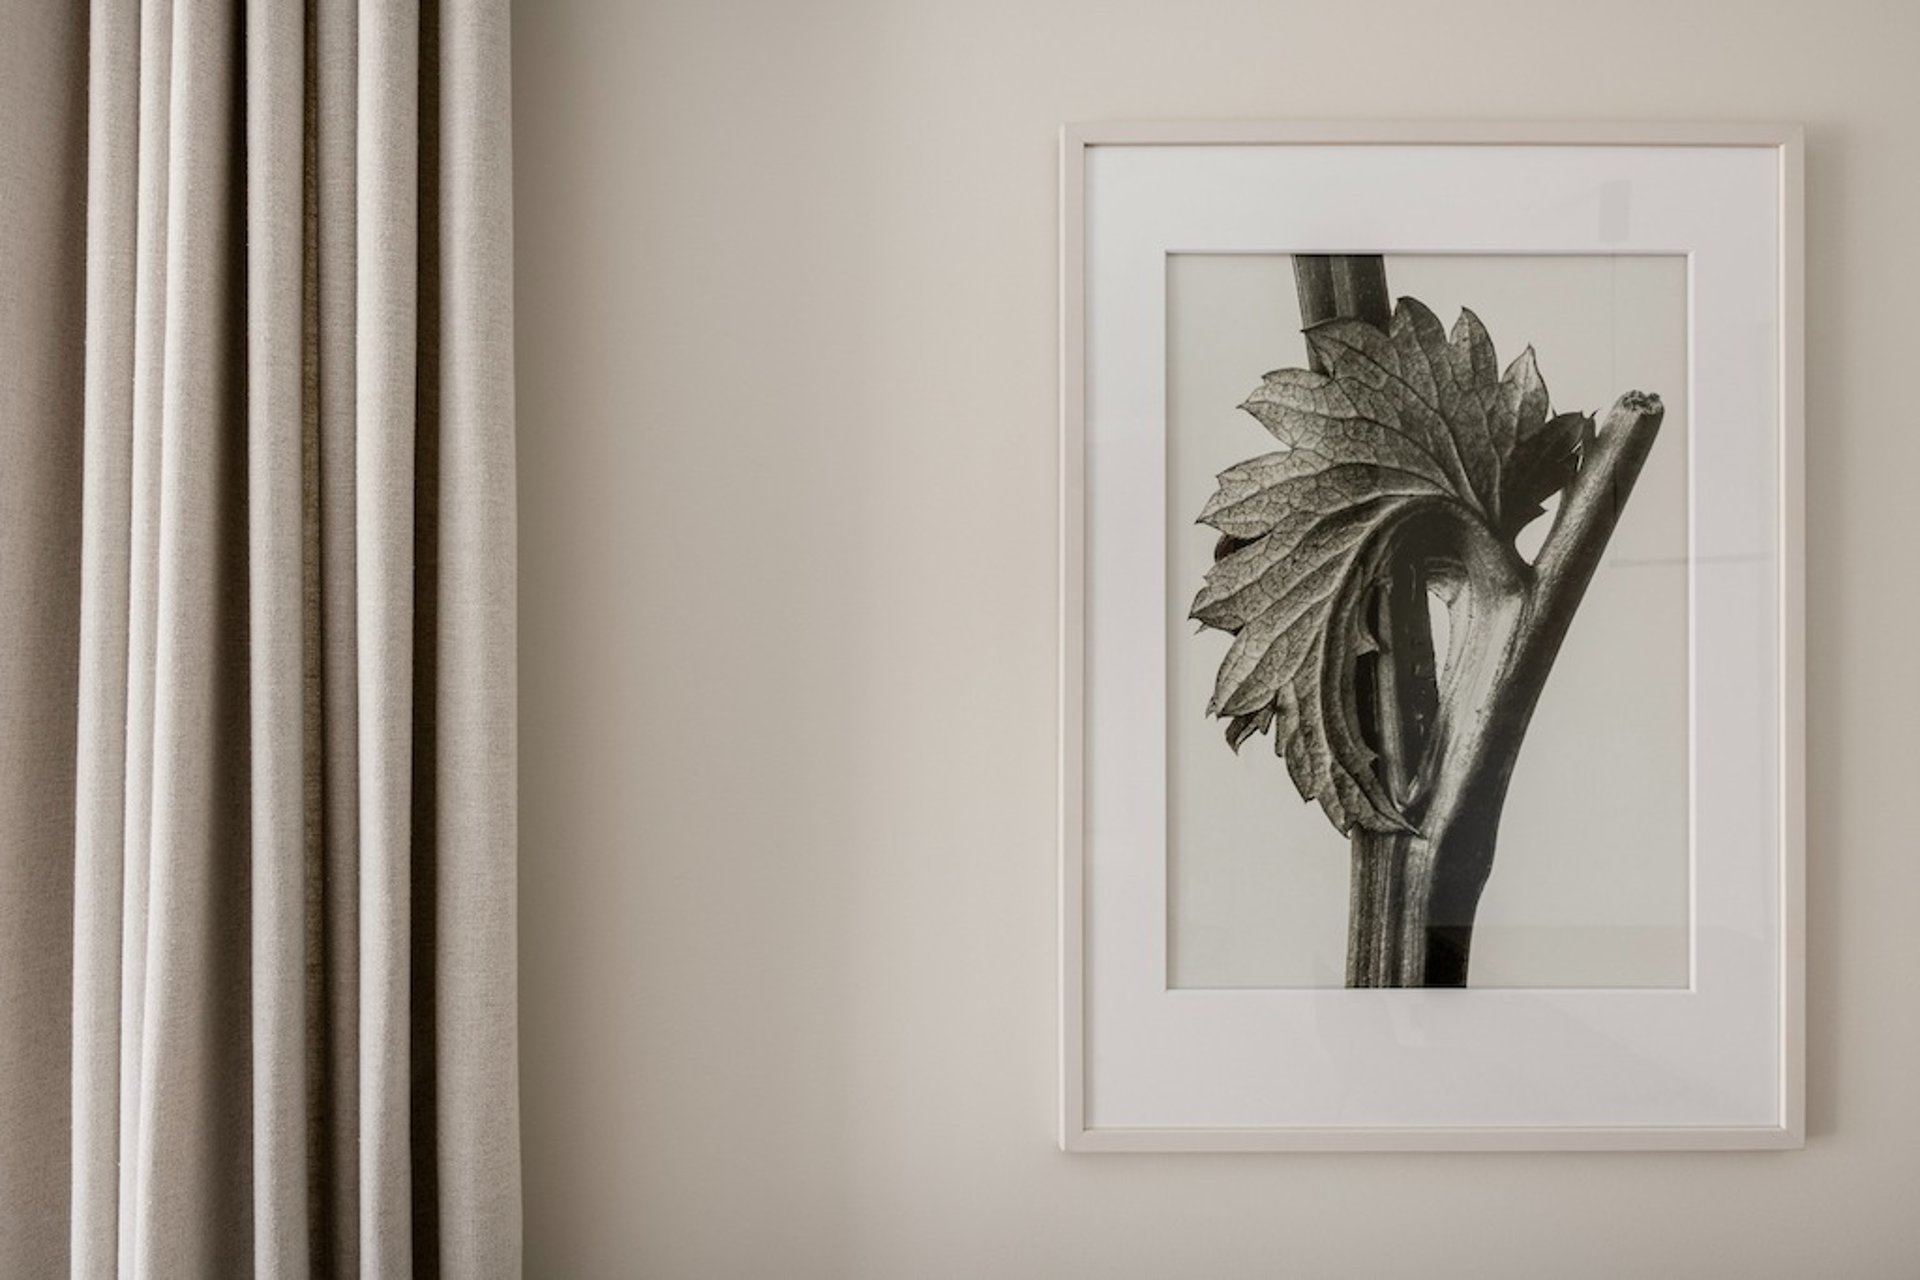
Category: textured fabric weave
[257,757]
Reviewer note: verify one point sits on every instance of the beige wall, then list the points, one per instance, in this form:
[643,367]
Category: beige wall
[787,379]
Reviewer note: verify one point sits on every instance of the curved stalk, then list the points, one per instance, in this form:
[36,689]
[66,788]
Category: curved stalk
[1446,755]
[1517,621]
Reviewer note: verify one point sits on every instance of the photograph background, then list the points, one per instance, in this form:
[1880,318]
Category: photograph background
[1590,882]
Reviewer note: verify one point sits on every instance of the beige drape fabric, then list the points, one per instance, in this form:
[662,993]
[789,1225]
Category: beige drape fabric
[43,200]
[257,640]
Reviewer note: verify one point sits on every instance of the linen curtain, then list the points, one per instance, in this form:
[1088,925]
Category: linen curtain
[257,757]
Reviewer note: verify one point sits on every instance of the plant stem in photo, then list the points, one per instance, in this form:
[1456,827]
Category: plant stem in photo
[1410,463]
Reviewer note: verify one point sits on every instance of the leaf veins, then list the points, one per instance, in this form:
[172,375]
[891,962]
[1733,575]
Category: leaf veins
[1406,421]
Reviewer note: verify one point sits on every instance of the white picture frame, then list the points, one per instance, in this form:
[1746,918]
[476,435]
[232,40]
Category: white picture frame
[1716,1065]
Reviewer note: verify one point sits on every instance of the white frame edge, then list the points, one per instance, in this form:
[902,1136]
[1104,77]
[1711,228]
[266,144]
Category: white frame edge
[1788,141]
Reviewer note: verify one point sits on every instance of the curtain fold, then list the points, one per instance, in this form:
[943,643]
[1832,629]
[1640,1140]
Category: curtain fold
[288,715]
[43,274]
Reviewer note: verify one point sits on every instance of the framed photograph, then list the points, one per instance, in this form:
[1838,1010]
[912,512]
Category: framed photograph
[1432,623]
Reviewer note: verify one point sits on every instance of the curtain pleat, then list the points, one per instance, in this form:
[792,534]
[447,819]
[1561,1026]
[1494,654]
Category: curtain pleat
[43,291]
[293,1037]
[383,483]
[190,1156]
[335,240]
[276,103]
[474,639]
[149,332]
[100,812]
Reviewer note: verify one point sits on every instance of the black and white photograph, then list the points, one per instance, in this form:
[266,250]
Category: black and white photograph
[1427,620]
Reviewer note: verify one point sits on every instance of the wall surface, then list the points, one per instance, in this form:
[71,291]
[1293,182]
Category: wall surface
[787,387]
